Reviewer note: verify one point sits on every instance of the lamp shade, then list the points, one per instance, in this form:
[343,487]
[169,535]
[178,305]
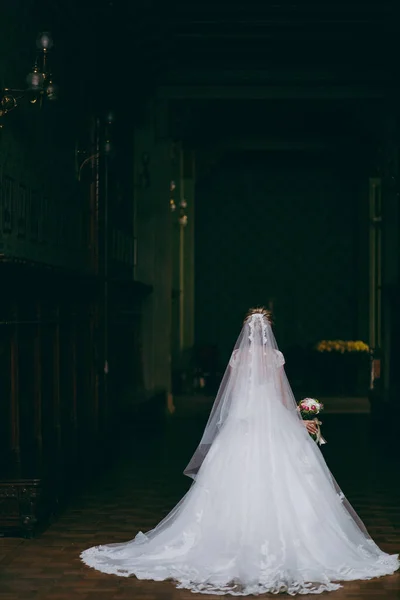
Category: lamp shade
[52,91]
[35,79]
[44,41]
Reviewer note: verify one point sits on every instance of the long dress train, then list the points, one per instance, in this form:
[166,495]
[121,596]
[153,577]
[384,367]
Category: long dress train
[261,517]
[264,515]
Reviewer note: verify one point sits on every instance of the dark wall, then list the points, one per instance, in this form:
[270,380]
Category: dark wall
[281,227]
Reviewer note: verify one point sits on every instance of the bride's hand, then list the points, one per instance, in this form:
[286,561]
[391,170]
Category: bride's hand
[311,427]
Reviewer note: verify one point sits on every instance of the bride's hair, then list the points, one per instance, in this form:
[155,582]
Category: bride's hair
[259,311]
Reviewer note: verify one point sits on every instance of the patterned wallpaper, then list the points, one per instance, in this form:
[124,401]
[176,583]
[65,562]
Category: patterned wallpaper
[281,228]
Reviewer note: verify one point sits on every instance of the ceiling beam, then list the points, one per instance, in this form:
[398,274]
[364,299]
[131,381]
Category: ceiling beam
[267,92]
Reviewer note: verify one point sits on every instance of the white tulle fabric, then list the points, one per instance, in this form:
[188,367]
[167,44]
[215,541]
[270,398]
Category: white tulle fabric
[264,514]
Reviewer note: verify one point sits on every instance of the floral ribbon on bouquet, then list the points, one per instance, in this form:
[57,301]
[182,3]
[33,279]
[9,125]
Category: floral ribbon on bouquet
[318,436]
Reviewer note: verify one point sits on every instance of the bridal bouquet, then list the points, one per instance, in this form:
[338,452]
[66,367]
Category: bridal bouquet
[309,408]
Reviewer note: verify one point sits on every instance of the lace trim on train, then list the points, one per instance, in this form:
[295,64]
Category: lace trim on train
[270,581]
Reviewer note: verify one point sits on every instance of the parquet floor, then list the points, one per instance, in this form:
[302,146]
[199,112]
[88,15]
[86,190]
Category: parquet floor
[145,483]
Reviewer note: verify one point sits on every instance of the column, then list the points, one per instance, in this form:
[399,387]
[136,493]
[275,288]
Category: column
[162,294]
[390,256]
[188,274]
[14,413]
[176,196]
[375,263]
[182,204]
[56,380]
[38,382]
[154,244]
[144,232]
[94,379]
[73,342]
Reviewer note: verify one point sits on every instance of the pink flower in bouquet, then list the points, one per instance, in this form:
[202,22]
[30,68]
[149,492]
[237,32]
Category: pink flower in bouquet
[310,406]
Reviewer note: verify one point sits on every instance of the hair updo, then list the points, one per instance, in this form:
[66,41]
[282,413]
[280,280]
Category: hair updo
[266,314]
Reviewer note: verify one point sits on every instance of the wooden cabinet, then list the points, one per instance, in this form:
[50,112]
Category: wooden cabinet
[49,389]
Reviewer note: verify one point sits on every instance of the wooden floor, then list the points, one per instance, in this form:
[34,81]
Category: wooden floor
[145,483]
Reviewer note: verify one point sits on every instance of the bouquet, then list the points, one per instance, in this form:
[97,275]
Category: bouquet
[309,408]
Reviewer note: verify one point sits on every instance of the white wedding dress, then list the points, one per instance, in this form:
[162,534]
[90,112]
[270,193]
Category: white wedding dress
[264,514]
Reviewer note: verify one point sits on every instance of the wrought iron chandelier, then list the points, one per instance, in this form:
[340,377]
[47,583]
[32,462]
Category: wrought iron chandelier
[39,81]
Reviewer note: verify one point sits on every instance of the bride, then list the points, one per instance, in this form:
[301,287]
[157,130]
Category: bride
[264,514]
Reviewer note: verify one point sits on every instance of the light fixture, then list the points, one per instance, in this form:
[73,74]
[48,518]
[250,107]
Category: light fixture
[182,217]
[44,41]
[40,82]
[172,188]
[104,149]
[183,220]
[35,78]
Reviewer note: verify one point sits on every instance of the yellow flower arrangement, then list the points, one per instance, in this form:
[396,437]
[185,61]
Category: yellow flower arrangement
[342,346]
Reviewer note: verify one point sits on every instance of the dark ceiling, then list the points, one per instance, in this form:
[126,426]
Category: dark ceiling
[124,48]
[236,33]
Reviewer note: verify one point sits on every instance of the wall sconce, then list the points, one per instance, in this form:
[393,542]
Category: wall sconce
[172,187]
[102,148]
[40,82]
[183,219]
